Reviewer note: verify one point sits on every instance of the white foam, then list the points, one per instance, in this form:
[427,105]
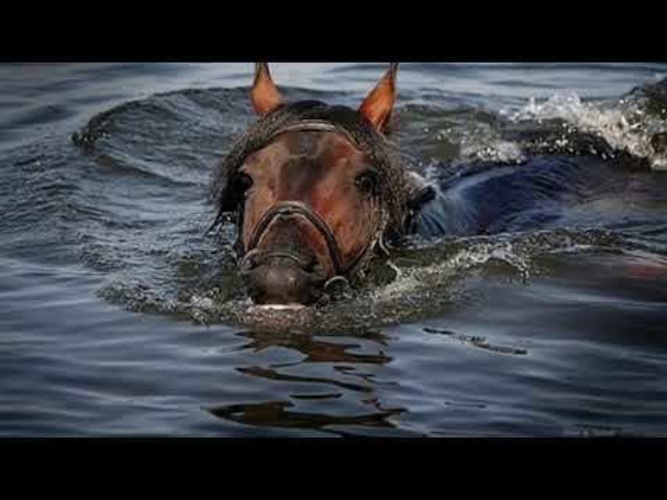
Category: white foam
[625,127]
[481,142]
[478,254]
[495,150]
[276,307]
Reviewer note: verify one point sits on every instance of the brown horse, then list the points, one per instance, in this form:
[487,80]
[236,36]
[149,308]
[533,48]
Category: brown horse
[317,191]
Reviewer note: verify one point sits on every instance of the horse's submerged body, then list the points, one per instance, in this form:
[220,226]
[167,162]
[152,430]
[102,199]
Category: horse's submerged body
[536,194]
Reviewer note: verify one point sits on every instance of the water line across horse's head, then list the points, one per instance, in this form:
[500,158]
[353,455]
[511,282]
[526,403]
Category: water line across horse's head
[316,189]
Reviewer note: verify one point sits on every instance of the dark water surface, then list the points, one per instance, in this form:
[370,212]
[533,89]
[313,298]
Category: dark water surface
[120,316]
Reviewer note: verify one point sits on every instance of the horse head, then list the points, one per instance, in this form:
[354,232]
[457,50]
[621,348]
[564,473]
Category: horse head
[317,191]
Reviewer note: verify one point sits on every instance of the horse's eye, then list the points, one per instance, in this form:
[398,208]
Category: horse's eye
[244,181]
[368,181]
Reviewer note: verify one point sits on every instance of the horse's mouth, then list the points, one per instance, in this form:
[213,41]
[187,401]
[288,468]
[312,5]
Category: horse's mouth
[276,308]
[284,278]
[289,256]
[292,257]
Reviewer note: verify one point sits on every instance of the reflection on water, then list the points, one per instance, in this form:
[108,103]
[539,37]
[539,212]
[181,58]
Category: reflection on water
[328,370]
[278,414]
[322,349]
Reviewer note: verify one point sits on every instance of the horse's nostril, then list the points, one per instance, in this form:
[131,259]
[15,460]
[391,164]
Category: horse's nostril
[248,263]
[312,265]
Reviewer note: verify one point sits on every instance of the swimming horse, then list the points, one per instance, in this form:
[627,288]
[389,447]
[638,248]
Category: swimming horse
[317,191]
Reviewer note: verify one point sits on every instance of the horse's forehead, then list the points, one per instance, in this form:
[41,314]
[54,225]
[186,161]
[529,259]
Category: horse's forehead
[310,144]
[314,146]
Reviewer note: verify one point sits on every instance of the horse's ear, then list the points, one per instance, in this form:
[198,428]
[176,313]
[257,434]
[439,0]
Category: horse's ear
[379,103]
[264,94]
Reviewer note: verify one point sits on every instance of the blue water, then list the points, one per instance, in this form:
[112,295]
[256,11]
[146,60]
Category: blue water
[547,321]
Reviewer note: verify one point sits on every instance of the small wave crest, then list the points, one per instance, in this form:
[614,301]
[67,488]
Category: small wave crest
[627,126]
[429,281]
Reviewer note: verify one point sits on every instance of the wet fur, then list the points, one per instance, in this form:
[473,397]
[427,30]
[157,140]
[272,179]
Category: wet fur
[399,189]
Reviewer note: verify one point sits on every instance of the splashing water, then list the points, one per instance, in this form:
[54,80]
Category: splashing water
[625,126]
[427,281]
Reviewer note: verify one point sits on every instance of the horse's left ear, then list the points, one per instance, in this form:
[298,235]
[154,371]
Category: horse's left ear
[264,94]
[379,103]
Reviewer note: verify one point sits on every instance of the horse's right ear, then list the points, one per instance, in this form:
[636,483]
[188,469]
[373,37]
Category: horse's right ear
[264,95]
[379,104]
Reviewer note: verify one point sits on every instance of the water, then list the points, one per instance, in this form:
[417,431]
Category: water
[120,316]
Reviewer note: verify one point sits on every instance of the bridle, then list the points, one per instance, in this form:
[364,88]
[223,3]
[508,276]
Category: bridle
[299,208]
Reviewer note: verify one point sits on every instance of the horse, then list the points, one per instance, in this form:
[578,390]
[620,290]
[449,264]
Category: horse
[316,191]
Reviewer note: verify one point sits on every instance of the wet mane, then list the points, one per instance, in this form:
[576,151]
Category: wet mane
[393,192]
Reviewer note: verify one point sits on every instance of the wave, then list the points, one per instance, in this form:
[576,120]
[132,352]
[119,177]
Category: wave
[157,259]
[635,125]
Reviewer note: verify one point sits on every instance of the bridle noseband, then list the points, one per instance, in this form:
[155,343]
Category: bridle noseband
[290,208]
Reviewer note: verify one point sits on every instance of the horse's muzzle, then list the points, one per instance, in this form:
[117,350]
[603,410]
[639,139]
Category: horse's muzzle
[282,278]
[289,256]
